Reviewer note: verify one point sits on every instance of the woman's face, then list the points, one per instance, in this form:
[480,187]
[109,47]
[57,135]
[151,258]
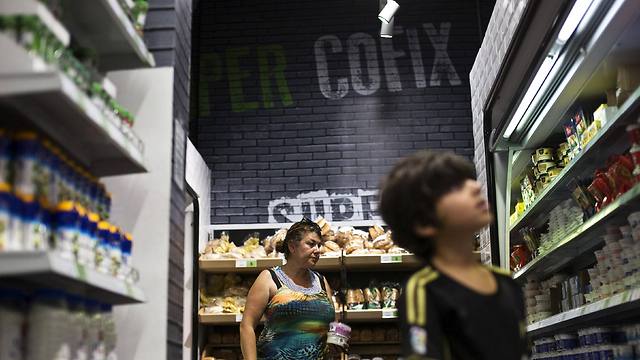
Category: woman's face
[306,251]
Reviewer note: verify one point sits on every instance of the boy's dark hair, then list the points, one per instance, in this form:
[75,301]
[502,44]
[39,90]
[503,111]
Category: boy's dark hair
[409,194]
[297,232]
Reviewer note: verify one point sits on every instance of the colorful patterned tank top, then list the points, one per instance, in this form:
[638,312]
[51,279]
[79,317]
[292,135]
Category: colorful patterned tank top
[296,322]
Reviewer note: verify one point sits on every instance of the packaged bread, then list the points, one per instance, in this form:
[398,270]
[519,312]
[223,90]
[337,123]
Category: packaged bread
[353,245]
[325,227]
[332,246]
[397,250]
[383,242]
[389,296]
[344,235]
[360,235]
[330,236]
[375,231]
[372,297]
[355,299]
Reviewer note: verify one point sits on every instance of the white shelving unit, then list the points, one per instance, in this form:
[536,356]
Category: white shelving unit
[38,95]
[618,304]
[104,26]
[56,106]
[49,270]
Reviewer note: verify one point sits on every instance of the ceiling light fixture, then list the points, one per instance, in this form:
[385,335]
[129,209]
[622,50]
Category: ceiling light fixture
[386,15]
[386,30]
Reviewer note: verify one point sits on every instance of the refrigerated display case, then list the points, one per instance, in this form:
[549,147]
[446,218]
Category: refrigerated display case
[566,172]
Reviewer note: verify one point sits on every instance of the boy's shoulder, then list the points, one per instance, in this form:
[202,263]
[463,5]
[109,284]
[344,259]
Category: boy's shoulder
[422,278]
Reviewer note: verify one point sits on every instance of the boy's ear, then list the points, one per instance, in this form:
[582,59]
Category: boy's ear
[426,230]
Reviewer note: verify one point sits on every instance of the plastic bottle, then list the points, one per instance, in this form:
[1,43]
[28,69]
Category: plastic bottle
[35,233]
[48,327]
[93,237]
[5,215]
[26,163]
[84,241]
[109,331]
[95,344]
[14,242]
[79,324]
[115,238]
[126,247]
[103,258]
[12,317]
[67,233]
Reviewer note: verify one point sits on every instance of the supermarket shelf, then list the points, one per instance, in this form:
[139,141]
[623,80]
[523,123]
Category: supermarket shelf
[257,265]
[584,238]
[219,319]
[33,7]
[277,226]
[104,26]
[591,157]
[239,266]
[42,269]
[382,262]
[56,106]
[621,305]
[370,315]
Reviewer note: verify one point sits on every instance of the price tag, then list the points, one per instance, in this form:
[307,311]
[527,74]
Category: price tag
[238,318]
[389,313]
[246,263]
[390,259]
[81,272]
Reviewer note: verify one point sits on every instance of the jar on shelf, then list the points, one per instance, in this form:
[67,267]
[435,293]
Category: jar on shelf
[519,256]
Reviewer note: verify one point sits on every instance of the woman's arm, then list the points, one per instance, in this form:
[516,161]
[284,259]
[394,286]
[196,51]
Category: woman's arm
[257,301]
[329,294]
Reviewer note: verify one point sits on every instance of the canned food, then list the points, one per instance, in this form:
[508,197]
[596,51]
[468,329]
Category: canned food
[542,154]
[545,166]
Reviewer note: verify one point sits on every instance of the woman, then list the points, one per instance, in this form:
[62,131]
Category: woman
[294,300]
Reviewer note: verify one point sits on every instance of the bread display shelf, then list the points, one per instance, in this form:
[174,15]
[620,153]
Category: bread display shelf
[256,265]
[386,261]
[370,315]
[224,319]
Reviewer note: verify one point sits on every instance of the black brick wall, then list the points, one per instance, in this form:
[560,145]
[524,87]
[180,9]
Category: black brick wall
[265,127]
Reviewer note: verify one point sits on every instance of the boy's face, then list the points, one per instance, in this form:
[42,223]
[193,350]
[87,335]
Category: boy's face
[464,208]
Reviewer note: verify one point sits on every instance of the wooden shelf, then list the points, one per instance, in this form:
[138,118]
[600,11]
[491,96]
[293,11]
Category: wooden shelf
[43,269]
[219,319]
[250,266]
[382,262]
[370,315]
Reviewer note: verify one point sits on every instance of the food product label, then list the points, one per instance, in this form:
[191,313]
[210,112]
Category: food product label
[390,259]
[389,313]
[238,317]
[246,263]
[81,272]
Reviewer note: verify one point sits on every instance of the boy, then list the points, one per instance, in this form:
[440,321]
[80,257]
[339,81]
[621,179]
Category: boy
[454,308]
